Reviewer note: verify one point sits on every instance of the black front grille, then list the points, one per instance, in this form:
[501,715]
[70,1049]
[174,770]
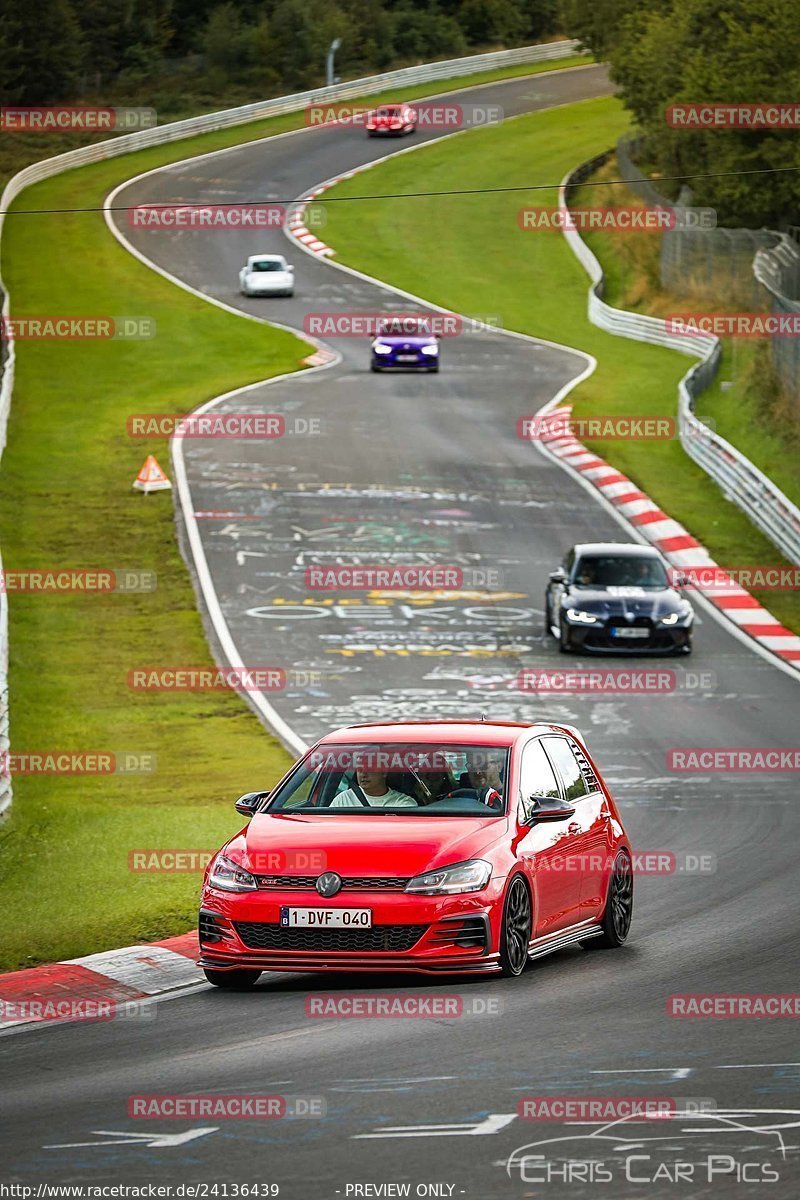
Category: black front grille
[350,883]
[260,936]
[468,932]
[207,929]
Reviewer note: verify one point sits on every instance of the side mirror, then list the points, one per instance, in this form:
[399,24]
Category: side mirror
[680,579]
[557,576]
[290,268]
[249,802]
[549,808]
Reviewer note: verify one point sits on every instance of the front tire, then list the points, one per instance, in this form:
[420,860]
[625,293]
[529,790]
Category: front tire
[618,913]
[515,935]
[240,980]
[564,642]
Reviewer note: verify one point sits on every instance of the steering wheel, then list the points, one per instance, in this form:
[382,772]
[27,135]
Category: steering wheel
[486,795]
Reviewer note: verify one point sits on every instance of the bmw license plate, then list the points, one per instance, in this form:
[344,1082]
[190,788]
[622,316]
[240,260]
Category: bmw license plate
[622,632]
[327,918]
[406,358]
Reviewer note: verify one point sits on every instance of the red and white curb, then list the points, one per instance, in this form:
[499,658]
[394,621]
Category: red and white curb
[677,545]
[99,986]
[295,224]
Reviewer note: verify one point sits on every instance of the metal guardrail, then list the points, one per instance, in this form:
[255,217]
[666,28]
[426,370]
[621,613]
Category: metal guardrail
[741,481]
[177,130]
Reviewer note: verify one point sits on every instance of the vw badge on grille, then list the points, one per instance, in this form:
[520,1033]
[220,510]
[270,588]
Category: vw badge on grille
[329,884]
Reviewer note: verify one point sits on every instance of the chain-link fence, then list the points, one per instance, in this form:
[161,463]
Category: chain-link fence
[750,269]
[778,272]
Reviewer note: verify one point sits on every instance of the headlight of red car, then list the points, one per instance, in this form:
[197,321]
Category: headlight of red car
[468,876]
[230,877]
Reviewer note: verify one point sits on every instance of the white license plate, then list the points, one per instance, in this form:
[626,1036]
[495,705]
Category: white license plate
[630,633]
[406,358]
[327,918]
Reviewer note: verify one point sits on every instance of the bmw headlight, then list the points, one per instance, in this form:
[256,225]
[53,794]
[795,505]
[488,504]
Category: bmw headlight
[682,615]
[229,876]
[434,349]
[581,617]
[468,876]
[382,348]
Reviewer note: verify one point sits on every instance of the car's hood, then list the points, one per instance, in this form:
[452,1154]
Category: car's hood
[411,342]
[361,845]
[613,601]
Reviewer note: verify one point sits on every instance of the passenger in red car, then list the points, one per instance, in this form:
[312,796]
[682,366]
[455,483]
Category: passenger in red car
[376,793]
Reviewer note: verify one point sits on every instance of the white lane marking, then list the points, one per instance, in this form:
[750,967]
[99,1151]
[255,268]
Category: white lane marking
[121,1138]
[148,969]
[673,1072]
[491,1124]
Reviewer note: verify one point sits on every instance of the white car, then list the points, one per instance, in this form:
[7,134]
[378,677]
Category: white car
[266,275]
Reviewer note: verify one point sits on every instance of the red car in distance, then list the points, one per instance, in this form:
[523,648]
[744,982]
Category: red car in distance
[431,846]
[391,119]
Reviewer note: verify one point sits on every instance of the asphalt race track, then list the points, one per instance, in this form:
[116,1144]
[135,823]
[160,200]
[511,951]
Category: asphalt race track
[429,469]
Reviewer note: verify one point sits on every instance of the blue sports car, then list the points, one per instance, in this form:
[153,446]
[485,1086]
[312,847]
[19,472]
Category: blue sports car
[405,343]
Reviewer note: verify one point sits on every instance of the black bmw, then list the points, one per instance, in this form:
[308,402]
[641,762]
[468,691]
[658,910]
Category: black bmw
[617,598]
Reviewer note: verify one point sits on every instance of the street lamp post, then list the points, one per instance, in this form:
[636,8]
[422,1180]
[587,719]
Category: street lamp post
[329,76]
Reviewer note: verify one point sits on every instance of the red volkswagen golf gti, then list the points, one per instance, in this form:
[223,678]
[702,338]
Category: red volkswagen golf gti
[435,846]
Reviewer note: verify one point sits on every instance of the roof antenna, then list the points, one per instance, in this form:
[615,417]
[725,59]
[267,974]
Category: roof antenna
[483,716]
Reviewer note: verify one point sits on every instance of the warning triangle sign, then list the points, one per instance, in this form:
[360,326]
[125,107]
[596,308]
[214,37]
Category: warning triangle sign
[151,478]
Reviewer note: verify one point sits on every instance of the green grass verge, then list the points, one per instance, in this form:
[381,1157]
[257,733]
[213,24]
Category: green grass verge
[66,501]
[534,284]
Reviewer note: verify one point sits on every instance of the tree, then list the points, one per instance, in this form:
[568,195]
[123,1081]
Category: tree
[705,51]
[48,51]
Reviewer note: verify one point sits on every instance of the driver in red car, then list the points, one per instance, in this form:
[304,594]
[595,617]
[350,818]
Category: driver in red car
[372,791]
[484,776]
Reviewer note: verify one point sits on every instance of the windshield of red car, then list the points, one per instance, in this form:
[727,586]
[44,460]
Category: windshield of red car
[406,779]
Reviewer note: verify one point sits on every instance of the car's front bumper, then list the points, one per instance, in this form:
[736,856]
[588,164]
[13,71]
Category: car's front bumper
[423,362]
[442,933]
[599,639]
